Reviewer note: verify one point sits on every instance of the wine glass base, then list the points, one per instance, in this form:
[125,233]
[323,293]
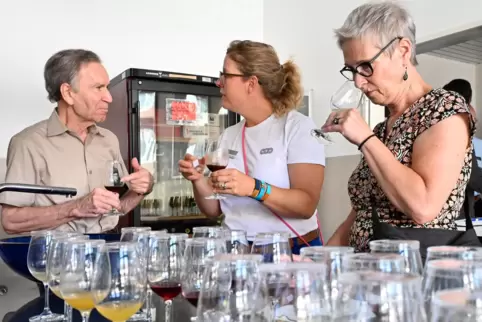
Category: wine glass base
[139,317]
[215,197]
[114,214]
[47,318]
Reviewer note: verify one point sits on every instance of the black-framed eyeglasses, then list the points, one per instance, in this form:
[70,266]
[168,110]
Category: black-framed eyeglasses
[365,68]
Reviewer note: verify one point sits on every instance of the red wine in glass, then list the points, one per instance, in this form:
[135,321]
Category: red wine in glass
[120,190]
[215,167]
[192,298]
[167,289]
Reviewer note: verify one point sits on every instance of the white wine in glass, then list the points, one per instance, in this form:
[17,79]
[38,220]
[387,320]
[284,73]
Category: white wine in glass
[119,282]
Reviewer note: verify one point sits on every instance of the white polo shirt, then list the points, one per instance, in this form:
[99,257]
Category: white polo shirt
[270,147]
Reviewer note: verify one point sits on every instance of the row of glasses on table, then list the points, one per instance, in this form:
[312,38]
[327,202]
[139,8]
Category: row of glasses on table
[227,280]
[87,274]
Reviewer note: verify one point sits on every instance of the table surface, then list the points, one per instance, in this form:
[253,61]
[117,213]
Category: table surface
[182,310]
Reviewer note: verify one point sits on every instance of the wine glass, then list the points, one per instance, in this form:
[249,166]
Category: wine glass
[275,247]
[55,264]
[346,97]
[164,266]
[127,233]
[227,288]
[119,281]
[217,158]
[141,236]
[77,273]
[112,182]
[197,254]
[37,259]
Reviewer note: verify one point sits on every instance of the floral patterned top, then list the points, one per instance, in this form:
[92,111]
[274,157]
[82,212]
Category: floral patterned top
[363,189]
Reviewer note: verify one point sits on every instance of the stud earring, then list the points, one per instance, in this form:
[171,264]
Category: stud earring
[405,75]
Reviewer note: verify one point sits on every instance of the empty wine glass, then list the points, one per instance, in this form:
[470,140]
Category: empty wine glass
[217,158]
[37,260]
[112,182]
[127,233]
[119,281]
[208,232]
[198,252]
[378,296]
[275,247]
[388,263]
[164,267]
[461,305]
[348,96]
[77,273]
[409,249]
[292,292]
[227,288]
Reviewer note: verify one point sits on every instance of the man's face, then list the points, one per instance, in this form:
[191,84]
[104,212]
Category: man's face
[91,97]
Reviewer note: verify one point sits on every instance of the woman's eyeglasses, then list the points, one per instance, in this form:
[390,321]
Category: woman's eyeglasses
[365,68]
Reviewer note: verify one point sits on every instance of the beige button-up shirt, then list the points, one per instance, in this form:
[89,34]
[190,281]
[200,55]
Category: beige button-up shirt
[47,153]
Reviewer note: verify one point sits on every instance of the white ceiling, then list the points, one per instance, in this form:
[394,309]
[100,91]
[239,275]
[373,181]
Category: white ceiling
[464,46]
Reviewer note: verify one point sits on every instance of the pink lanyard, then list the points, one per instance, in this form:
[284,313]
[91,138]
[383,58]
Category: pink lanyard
[245,160]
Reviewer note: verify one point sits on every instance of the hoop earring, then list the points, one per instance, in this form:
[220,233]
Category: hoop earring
[405,75]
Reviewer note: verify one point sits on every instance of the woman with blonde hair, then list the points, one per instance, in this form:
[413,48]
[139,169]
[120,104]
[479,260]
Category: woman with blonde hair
[411,179]
[275,173]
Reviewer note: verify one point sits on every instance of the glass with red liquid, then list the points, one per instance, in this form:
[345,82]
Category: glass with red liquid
[112,181]
[196,256]
[164,268]
[217,158]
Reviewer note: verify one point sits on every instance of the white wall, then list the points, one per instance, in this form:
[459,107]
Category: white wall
[305,32]
[182,35]
[477,93]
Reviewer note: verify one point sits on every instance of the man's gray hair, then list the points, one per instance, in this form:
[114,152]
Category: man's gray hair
[63,67]
[383,21]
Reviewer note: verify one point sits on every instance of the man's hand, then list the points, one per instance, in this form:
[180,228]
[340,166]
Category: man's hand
[141,181]
[100,201]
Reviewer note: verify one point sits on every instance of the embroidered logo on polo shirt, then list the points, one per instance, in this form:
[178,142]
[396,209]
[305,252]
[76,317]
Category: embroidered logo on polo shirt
[266,151]
[232,153]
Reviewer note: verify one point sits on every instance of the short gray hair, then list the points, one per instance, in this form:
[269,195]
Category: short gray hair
[382,20]
[63,67]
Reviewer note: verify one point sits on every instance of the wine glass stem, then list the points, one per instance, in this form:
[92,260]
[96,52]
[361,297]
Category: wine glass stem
[168,304]
[85,316]
[148,305]
[67,312]
[46,303]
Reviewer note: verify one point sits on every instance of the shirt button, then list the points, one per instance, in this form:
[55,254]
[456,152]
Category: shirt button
[90,171]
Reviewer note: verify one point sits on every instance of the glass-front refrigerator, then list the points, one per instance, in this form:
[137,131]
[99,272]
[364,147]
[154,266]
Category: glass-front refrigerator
[158,117]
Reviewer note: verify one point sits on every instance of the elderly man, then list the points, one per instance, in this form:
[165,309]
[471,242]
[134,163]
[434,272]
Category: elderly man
[69,149]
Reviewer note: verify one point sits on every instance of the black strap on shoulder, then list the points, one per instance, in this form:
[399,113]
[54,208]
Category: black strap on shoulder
[468,219]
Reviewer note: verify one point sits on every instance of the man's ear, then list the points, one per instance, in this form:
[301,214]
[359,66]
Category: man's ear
[66,92]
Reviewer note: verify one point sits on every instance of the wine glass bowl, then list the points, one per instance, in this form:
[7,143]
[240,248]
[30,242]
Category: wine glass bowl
[217,158]
[37,260]
[119,281]
[112,182]
[77,273]
[348,96]
[165,261]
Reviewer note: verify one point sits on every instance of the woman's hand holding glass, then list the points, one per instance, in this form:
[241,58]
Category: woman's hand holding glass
[233,182]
